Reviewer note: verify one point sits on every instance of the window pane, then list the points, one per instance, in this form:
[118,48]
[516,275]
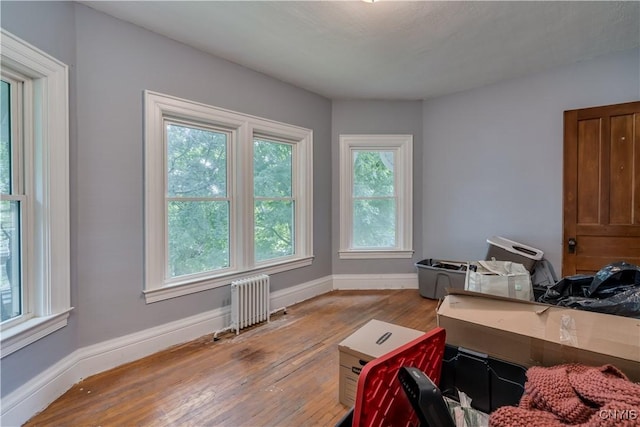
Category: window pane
[10,277]
[271,169]
[373,173]
[374,223]
[274,235]
[196,162]
[198,237]
[5,139]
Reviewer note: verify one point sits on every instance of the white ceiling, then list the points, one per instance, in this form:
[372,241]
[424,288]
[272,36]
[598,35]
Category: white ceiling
[391,49]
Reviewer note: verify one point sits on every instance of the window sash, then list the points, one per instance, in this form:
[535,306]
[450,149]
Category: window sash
[358,189]
[389,195]
[20,291]
[18,84]
[196,200]
[356,232]
[280,248]
[228,175]
[16,260]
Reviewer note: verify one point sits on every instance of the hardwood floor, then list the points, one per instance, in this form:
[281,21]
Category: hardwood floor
[284,373]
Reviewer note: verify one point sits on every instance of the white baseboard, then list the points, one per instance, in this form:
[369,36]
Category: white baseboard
[296,294]
[375,281]
[34,396]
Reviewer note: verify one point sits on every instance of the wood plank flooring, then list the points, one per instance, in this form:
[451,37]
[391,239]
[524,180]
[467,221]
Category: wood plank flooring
[284,373]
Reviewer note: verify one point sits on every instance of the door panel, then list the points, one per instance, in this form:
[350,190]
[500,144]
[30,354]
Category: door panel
[589,161]
[615,247]
[622,168]
[601,187]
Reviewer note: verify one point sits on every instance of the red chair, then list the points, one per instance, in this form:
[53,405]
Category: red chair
[380,399]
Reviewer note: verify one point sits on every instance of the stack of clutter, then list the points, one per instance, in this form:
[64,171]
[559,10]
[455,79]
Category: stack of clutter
[510,269]
[515,270]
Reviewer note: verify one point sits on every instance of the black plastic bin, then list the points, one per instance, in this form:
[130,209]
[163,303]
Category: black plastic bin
[489,382]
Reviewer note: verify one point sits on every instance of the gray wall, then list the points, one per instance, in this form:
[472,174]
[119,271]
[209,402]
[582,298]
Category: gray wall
[493,156]
[377,117]
[112,62]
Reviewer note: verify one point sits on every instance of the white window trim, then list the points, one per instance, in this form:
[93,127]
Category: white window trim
[403,147]
[160,106]
[49,259]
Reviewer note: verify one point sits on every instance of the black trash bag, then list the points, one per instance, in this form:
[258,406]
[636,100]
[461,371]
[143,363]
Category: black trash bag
[615,289]
[626,303]
[613,279]
[568,286]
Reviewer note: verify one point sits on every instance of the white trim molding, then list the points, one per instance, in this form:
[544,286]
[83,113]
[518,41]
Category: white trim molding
[375,254]
[168,292]
[242,129]
[375,281]
[47,268]
[401,147]
[32,330]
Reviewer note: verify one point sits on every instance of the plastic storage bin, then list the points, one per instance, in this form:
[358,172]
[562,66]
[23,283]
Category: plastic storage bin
[436,276]
[489,382]
[507,250]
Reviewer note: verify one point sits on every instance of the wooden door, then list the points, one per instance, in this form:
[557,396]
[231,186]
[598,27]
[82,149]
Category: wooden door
[601,187]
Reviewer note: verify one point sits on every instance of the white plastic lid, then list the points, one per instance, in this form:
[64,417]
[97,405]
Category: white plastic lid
[516,248]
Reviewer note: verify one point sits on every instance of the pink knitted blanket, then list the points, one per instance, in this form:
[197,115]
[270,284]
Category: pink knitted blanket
[576,395]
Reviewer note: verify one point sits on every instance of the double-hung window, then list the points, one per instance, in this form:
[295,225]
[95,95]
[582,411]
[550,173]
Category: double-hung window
[376,196]
[227,195]
[34,194]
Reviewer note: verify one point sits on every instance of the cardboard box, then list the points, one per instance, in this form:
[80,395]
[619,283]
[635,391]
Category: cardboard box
[529,333]
[373,340]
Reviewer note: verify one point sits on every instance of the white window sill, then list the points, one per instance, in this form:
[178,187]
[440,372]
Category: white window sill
[27,332]
[176,290]
[375,254]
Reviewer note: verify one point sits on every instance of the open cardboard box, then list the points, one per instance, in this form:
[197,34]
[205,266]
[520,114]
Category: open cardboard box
[529,333]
